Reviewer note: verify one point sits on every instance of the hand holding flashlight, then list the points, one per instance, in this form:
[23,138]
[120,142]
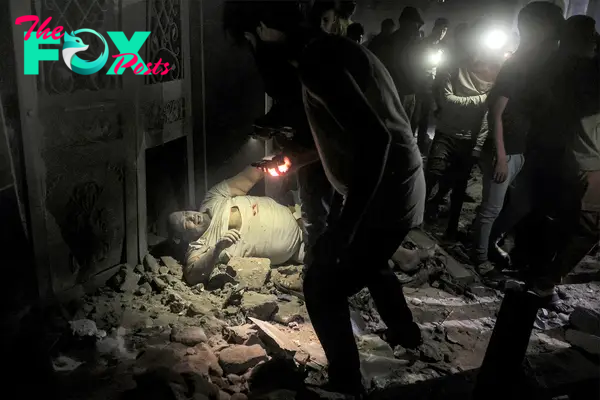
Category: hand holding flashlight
[275,166]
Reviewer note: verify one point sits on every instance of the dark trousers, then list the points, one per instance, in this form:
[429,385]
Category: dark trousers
[423,110]
[329,282]
[319,201]
[449,167]
[409,103]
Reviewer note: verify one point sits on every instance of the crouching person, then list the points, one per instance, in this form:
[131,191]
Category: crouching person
[232,223]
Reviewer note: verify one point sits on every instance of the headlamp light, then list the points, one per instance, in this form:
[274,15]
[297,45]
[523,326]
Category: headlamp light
[495,39]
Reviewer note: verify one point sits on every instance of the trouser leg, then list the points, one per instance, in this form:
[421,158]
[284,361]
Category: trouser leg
[316,194]
[491,205]
[326,290]
[423,139]
[459,189]
[438,164]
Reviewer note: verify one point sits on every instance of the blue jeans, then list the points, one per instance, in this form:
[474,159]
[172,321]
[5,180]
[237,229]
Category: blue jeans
[492,203]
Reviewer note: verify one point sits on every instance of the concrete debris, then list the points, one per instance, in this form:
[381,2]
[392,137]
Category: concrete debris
[65,364]
[378,371]
[220,277]
[431,353]
[374,345]
[86,328]
[126,280]
[144,289]
[241,334]
[151,264]
[238,359]
[174,267]
[176,303]
[190,336]
[203,361]
[291,311]
[115,347]
[159,285]
[252,273]
[586,320]
[259,305]
[274,338]
[239,396]
[584,341]
[163,270]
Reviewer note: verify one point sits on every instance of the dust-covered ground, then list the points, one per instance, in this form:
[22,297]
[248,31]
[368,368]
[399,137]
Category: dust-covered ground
[146,334]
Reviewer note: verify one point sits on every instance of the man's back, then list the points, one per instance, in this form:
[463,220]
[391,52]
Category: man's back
[325,62]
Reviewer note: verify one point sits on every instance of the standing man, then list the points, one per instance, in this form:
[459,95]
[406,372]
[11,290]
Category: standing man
[400,58]
[387,28]
[366,146]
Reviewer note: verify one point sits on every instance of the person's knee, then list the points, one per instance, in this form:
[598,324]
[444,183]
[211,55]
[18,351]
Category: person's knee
[489,212]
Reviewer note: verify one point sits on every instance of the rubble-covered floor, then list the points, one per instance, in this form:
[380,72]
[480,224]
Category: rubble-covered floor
[213,342]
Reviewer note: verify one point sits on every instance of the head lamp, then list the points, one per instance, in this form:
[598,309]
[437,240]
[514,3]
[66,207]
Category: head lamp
[495,39]
[436,57]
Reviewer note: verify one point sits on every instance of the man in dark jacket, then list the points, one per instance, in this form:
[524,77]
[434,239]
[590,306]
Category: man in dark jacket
[348,92]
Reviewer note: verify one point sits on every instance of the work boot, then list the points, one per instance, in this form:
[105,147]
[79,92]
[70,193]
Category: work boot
[490,275]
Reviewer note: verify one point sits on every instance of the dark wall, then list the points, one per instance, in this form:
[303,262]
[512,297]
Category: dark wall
[234,97]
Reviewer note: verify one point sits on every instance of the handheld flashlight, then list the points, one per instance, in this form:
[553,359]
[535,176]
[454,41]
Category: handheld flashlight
[277,166]
[435,57]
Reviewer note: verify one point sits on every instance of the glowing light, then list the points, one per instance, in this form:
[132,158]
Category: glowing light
[436,57]
[281,169]
[495,39]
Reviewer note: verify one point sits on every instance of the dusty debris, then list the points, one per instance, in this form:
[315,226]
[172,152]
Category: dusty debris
[86,328]
[65,364]
[241,334]
[126,280]
[189,336]
[290,311]
[257,305]
[274,337]
[431,352]
[151,264]
[238,359]
[176,303]
[584,341]
[159,284]
[174,267]
[374,345]
[252,273]
[586,320]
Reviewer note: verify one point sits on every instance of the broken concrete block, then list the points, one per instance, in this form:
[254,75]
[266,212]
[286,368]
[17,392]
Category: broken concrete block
[219,278]
[586,320]
[374,345]
[431,353]
[252,273]
[380,368]
[144,289]
[190,336]
[151,264]
[159,285]
[261,306]
[584,341]
[163,270]
[173,265]
[176,303]
[240,334]
[290,311]
[126,280]
[238,359]
[274,338]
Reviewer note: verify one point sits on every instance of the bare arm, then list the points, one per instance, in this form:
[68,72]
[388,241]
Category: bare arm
[243,182]
[496,111]
[200,264]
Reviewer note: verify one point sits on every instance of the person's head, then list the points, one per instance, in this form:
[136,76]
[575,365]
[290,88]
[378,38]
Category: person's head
[410,20]
[440,28]
[323,16]
[388,26]
[579,36]
[188,226]
[540,23]
[261,21]
[356,32]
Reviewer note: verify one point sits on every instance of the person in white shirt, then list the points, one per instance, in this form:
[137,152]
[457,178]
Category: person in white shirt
[231,223]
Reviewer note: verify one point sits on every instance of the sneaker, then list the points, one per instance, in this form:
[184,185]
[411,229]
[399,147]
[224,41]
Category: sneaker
[483,268]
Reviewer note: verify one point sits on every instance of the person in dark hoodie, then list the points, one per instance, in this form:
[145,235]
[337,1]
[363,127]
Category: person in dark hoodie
[347,92]
[387,28]
[399,55]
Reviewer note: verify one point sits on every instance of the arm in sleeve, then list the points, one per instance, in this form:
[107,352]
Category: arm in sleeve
[483,134]
[338,92]
[457,103]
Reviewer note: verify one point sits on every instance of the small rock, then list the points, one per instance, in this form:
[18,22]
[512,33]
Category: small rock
[258,305]
[240,334]
[218,279]
[237,359]
[174,267]
[139,269]
[234,379]
[144,289]
[224,395]
[586,320]
[292,311]
[252,273]
[191,351]
[197,309]
[176,303]
[294,326]
[239,396]
[431,353]
[151,264]
[189,336]
[163,270]
[126,280]
[159,285]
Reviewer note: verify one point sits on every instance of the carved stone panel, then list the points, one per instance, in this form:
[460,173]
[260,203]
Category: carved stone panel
[99,15]
[84,154]
[165,42]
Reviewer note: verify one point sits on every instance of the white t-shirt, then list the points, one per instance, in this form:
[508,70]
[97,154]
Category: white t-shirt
[269,230]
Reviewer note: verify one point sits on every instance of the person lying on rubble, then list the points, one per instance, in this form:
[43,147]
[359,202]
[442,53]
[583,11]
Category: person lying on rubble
[232,223]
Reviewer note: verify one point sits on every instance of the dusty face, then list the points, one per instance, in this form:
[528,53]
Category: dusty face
[189,225]
[327,20]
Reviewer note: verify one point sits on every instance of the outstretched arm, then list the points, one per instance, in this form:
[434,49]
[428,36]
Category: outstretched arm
[201,261]
[243,182]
